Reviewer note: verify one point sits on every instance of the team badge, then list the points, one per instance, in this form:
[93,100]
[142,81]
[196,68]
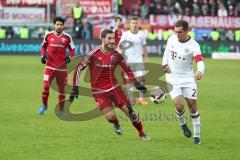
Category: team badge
[52,39]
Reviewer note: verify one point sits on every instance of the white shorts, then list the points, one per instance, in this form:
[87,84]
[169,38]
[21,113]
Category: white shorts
[138,69]
[187,90]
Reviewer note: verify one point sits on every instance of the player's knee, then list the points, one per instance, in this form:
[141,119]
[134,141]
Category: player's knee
[46,86]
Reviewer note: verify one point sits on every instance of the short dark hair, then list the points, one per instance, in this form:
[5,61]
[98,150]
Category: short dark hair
[105,32]
[117,17]
[60,19]
[183,24]
[134,18]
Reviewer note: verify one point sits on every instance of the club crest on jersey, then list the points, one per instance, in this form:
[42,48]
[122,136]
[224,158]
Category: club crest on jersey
[186,50]
[100,58]
[63,40]
[52,39]
[113,58]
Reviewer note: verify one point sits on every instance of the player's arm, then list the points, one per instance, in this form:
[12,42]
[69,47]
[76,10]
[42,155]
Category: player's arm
[80,67]
[44,50]
[145,53]
[71,50]
[118,48]
[200,63]
[165,66]
[126,68]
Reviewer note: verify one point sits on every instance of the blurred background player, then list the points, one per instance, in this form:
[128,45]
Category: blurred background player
[54,56]
[134,57]
[102,62]
[177,63]
[119,29]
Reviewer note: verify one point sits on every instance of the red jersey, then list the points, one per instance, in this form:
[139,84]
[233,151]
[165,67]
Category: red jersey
[102,66]
[118,34]
[55,48]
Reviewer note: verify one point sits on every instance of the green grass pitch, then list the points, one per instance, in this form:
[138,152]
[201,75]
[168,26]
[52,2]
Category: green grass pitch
[26,136]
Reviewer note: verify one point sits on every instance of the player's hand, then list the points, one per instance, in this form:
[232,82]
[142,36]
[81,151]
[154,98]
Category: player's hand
[67,59]
[74,93]
[198,75]
[166,69]
[140,86]
[44,59]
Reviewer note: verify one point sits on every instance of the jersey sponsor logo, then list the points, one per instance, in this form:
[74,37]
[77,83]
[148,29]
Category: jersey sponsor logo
[104,65]
[57,45]
[63,40]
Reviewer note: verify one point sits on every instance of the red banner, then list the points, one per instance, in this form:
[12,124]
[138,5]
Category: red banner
[96,6]
[27,2]
[164,21]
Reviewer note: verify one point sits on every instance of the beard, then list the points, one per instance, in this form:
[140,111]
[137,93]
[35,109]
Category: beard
[110,46]
[59,31]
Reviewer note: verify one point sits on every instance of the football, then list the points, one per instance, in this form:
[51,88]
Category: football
[157,95]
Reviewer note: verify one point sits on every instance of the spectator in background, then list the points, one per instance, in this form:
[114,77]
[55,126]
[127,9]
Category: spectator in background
[187,12]
[230,35]
[205,8]
[123,11]
[222,12]
[86,32]
[213,7]
[40,33]
[230,10]
[237,35]
[177,9]
[152,35]
[77,13]
[144,9]
[24,32]
[196,8]
[159,9]
[237,11]
[10,32]
[215,35]
[136,11]
[151,9]
[2,33]
[78,29]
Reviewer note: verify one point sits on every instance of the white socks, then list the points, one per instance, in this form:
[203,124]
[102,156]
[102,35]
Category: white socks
[196,124]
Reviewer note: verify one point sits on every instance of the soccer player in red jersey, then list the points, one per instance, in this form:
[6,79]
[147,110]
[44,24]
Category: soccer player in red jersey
[102,63]
[54,56]
[118,30]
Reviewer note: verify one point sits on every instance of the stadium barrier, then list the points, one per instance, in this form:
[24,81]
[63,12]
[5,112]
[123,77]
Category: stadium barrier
[33,47]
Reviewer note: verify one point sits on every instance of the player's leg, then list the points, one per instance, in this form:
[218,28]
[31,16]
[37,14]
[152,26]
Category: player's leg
[176,95]
[47,79]
[104,103]
[141,98]
[62,80]
[190,93]
[121,101]
[129,89]
[139,73]
[111,116]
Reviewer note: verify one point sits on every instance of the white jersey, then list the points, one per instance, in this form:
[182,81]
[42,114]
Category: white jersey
[134,54]
[179,57]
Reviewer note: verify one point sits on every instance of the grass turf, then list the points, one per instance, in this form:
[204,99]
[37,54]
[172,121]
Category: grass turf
[25,135]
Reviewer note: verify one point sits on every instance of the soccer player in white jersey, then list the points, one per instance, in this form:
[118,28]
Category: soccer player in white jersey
[177,63]
[134,56]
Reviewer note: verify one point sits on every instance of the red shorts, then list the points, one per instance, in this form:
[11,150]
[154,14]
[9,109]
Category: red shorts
[61,77]
[116,96]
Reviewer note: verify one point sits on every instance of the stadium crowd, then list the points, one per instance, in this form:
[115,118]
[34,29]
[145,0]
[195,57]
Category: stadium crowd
[83,29]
